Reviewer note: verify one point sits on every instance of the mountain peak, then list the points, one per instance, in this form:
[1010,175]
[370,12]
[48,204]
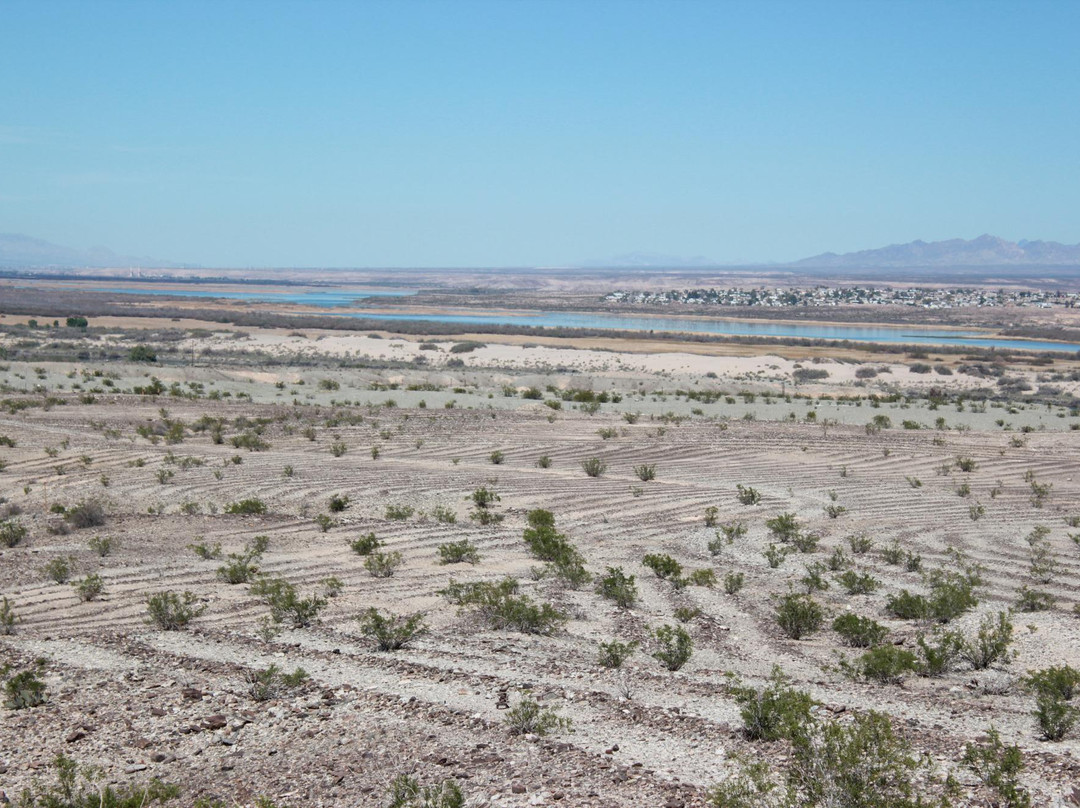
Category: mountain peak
[985,250]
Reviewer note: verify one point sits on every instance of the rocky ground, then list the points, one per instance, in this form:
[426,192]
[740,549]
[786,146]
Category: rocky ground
[139,701]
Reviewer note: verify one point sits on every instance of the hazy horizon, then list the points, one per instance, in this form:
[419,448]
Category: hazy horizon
[534,134]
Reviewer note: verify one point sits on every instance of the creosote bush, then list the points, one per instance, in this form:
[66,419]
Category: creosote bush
[383,565]
[285,603]
[593,466]
[365,544]
[529,718]
[501,607]
[459,552]
[407,792]
[171,611]
[391,632]
[272,682]
[774,712]
[613,654]
[618,587]
[859,632]
[675,646]
[799,615]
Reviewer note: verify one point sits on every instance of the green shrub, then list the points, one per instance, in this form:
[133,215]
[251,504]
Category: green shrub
[529,718]
[285,603]
[1030,600]
[206,551]
[939,655]
[991,642]
[89,588]
[170,611]
[733,582]
[24,690]
[663,565]
[246,507]
[859,632]
[885,664]
[999,767]
[593,466]
[365,544]
[70,791]
[443,515]
[406,792]
[142,353]
[702,577]
[784,526]
[338,503]
[543,462]
[272,683]
[775,554]
[392,631]
[799,615]
[675,646]
[646,472]
[1054,689]
[12,531]
[459,552]
[907,606]
[712,514]
[774,712]
[500,607]
[102,545]
[399,512]
[619,587]
[383,565]
[747,495]
[8,618]
[613,654]
[855,584]
[58,570]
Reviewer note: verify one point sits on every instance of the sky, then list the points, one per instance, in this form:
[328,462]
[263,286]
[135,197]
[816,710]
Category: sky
[518,133]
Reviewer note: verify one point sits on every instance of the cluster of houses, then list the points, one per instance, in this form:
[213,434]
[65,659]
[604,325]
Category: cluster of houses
[925,297]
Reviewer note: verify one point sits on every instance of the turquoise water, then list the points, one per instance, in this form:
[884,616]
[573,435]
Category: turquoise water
[628,322]
[327,298]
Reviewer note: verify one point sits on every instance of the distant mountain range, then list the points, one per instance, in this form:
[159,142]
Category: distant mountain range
[984,251]
[23,252]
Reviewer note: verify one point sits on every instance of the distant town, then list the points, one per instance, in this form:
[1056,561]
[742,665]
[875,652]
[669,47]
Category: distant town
[826,296]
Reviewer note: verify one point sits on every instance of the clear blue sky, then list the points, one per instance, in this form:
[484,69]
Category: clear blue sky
[417,133]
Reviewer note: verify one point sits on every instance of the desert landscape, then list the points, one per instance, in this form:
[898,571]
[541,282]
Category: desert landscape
[326,567]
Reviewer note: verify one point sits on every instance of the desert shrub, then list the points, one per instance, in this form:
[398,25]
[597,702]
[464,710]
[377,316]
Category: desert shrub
[399,512]
[443,515]
[859,632]
[383,565]
[569,568]
[702,577]
[24,689]
[856,584]
[645,472]
[88,513]
[170,611]
[991,642]
[951,594]
[142,353]
[663,565]
[338,503]
[12,531]
[468,346]
[205,551]
[837,560]
[8,618]
[285,603]
[939,654]
[391,632]
[966,464]
[272,682]
[338,448]
[712,514]
[907,606]
[859,544]
[775,554]
[805,542]
[784,526]
[593,466]
[239,569]
[407,792]
[501,607]
[885,664]
[674,646]
[747,495]
[617,586]
[89,588]
[483,499]
[497,457]
[459,552]
[529,718]
[1054,689]
[833,510]
[999,767]
[70,791]
[366,544]
[684,614]
[543,462]
[324,522]
[102,545]
[1030,600]
[246,507]
[733,582]
[252,441]
[799,615]
[613,654]
[58,570]
[774,712]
